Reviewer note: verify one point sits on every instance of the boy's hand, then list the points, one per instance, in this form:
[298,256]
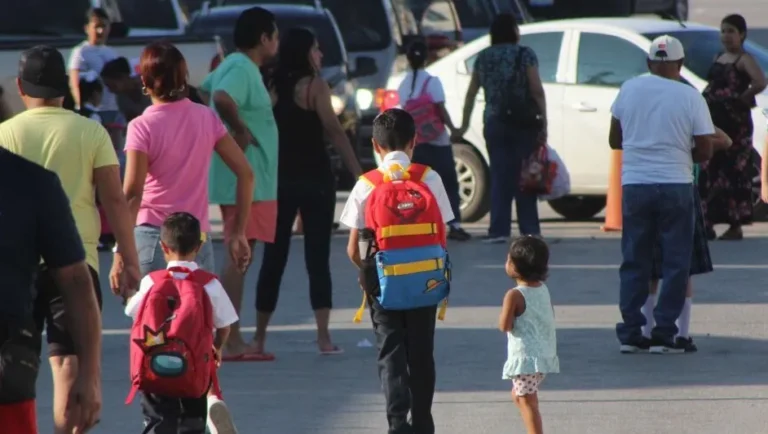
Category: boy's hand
[217,356]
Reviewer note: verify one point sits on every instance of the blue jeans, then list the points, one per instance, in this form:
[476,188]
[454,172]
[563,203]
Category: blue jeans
[440,159]
[507,149]
[653,212]
[151,257]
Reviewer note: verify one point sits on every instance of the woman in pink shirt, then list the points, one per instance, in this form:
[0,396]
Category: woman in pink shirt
[169,149]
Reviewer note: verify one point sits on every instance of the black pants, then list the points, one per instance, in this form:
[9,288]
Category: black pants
[406,341]
[316,201]
[440,159]
[173,415]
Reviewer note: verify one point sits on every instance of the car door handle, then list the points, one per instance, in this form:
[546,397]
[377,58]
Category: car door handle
[583,107]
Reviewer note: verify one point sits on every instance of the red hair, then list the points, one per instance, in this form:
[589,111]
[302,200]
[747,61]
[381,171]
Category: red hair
[164,71]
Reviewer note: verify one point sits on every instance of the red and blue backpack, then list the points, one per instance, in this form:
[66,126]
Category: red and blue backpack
[412,261]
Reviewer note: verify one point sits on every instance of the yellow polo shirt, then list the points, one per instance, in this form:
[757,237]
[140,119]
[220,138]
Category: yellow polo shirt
[72,146]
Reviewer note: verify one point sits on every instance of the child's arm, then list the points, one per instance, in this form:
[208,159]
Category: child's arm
[510,309]
[353,249]
[222,334]
[133,301]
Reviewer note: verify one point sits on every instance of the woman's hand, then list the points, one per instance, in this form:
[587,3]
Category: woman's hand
[240,252]
[124,277]
[764,192]
[116,273]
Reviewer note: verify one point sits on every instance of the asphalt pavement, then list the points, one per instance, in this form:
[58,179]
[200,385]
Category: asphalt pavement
[721,389]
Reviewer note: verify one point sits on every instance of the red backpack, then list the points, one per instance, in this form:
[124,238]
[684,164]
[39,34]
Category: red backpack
[171,338]
[402,204]
[429,124]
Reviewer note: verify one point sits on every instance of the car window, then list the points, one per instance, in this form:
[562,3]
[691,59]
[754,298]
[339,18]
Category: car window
[364,27]
[134,14]
[547,48]
[438,18]
[475,13]
[43,17]
[606,60]
[701,47]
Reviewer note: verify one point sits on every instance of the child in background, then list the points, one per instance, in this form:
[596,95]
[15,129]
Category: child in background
[180,239]
[91,93]
[528,318]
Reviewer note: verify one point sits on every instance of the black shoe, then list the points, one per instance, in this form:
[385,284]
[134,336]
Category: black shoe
[489,239]
[687,344]
[458,234]
[663,346]
[640,346]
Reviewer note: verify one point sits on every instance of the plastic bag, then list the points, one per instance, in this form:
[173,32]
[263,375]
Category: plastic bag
[561,185]
[538,172]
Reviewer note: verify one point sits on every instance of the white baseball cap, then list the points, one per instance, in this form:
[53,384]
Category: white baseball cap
[666,48]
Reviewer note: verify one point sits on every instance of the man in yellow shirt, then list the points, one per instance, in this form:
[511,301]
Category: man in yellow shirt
[80,152]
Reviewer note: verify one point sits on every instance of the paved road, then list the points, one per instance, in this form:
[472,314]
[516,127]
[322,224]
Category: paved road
[722,389]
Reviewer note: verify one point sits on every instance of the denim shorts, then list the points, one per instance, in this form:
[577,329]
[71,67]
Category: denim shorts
[151,256]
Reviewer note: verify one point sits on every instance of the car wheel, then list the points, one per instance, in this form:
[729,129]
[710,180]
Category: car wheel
[474,185]
[678,11]
[578,207]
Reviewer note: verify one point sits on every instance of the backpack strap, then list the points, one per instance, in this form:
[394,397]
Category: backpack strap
[424,86]
[373,178]
[200,276]
[418,171]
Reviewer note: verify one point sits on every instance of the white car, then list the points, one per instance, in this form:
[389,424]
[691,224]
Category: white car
[582,63]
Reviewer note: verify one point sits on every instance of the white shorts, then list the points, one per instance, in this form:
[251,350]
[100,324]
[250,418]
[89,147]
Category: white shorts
[527,384]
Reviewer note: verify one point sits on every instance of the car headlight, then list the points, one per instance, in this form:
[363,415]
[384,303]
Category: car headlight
[338,104]
[364,98]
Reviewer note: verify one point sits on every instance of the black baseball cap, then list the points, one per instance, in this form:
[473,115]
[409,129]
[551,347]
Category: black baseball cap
[43,73]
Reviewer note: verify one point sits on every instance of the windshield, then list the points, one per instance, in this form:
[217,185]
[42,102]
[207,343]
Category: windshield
[701,47]
[223,25]
[475,13]
[364,27]
[36,17]
[134,14]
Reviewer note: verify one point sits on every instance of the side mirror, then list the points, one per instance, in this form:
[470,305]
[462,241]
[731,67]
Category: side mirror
[118,30]
[364,66]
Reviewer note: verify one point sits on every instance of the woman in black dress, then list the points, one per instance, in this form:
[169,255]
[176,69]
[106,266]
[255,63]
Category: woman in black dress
[725,183]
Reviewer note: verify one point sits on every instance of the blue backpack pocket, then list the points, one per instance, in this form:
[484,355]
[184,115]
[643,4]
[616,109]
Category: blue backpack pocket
[413,277]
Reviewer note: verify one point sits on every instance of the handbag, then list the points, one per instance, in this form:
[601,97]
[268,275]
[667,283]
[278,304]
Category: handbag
[561,185]
[538,173]
[522,112]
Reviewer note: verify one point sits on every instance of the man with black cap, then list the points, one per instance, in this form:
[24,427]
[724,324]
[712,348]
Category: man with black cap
[80,152]
[663,126]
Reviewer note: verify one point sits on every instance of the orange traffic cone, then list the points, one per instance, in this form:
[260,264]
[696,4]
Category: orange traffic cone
[613,205]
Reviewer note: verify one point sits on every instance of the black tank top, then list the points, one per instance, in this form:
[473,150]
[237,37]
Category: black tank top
[302,153]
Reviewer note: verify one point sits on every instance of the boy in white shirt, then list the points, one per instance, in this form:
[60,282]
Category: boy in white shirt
[405,338]
[180,239]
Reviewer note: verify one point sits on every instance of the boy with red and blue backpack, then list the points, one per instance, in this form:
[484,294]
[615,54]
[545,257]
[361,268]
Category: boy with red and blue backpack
[397,215]
[174,354]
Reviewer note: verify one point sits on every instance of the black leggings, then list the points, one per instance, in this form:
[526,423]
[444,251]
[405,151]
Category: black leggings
[316,201]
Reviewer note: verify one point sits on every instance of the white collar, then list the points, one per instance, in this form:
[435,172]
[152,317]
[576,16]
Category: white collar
[191,265]
[399,157]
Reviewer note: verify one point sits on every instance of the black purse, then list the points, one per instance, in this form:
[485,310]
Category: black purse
[522,112]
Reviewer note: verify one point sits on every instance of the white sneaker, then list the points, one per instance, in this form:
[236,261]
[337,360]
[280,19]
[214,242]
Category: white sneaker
[219,418]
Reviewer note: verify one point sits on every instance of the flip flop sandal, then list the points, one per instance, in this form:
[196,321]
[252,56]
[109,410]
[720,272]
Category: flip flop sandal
[332,352]
[249,357]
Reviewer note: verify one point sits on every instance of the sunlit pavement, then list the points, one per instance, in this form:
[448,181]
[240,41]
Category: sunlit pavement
[721,389]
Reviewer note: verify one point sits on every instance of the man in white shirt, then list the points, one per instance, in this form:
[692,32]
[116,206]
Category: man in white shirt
[663,126]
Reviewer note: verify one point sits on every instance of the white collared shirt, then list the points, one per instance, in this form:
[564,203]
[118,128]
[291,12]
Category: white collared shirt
[353,214]
[223,312]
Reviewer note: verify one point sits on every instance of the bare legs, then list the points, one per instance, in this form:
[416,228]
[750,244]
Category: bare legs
[529,412]
[233,281]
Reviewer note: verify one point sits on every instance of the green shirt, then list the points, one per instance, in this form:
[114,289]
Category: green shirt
[241,79]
